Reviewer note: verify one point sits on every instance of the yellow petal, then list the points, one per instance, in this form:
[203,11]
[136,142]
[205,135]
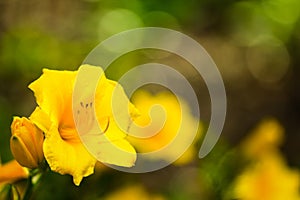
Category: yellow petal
[109,148]
[115,104]
[53,92]
[119,152]
[40,119]
[66,157]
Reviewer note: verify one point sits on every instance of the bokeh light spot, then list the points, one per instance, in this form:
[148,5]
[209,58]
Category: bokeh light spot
[268,59]
[282,11]
[162,19]
[250,22]
[119,20]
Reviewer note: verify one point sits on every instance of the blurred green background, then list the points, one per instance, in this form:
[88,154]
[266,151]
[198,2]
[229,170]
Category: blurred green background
[255,44]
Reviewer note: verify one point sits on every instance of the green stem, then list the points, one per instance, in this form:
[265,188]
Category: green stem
[29,188]
[32,184]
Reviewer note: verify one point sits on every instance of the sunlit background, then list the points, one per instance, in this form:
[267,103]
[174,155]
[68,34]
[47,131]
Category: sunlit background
[255,44]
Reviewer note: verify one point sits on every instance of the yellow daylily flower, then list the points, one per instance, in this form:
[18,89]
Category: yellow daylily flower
[269,178]
[11,172]
[26,142]
[63,148]
[266,137]
[178,122]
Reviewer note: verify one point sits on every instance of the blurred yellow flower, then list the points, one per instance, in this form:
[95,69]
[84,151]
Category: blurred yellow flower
[133,193]
[11,172]
[63,149]
[26,142]
[263,139]
[178,122]
[269,178]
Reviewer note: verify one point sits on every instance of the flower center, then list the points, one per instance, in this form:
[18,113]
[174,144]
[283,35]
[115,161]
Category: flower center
[69,134]
[85,120]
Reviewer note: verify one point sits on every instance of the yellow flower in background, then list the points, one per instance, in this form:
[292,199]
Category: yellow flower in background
[269,178]
[26,142]
[11,172]
[133,193]
[63,149]
[13,180]
[266,137]
[177,122]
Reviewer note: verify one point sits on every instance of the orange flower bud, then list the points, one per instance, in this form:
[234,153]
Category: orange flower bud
[26,142]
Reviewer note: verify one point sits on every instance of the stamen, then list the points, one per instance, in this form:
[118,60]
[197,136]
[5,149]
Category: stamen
[107,125]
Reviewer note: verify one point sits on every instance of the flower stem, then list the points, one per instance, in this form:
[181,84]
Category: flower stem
[33,182]
[29,188]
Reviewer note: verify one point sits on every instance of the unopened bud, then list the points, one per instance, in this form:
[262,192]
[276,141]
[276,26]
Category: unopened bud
[26,142]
